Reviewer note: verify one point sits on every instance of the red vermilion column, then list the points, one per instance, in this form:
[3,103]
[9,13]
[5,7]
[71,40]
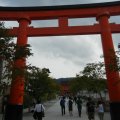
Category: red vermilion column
[110,59]
[15,103]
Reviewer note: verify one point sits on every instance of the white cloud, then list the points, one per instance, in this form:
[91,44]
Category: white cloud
[48,2]
[68,52]
[66,55]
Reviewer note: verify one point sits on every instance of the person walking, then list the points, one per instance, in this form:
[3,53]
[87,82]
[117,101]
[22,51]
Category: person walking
[100,110]
[75,99]
[70,106]
[62,104]
[39,110]
[90,109]
[79,105]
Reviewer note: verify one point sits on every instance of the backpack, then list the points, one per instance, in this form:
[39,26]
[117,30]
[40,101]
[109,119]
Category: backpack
[70,102]
[90,107]
[79,103]
[62,102]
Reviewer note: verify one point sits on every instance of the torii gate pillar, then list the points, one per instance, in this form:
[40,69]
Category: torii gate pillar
[110,59]
[14,108]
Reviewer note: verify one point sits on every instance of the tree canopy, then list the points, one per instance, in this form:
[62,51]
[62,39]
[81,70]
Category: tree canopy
[9,52]
[39,84]
[91,79]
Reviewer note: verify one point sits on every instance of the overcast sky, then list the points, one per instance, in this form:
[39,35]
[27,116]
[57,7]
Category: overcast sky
[65,56]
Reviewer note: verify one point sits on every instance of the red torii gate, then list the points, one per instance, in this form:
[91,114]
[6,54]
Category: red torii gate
[100,11]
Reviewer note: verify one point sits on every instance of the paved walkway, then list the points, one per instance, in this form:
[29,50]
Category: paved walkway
[54,113]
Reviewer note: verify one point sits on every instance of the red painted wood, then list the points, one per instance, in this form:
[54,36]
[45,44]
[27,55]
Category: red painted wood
[55,14]
[57,31]
[109,55]
[17,87]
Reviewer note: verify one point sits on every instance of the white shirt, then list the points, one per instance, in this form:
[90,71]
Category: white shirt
[39,108]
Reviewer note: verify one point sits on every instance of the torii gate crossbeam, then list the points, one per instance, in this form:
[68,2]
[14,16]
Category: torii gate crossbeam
[72,30]
[100,11]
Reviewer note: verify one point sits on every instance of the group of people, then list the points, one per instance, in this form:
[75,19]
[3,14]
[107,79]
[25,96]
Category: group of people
[91,107]
[70,101]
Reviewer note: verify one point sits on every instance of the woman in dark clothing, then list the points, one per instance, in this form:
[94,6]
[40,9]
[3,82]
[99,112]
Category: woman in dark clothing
[62,104]
[90,106]
[75,99]
[79,106]
[70,106]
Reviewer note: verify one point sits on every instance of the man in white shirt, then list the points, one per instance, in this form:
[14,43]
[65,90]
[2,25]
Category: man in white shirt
[39,110]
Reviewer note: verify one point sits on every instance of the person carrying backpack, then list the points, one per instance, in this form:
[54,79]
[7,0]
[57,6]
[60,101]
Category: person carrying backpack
[79,105]
[62,104]
[90,108]
[70,106]
[38,111]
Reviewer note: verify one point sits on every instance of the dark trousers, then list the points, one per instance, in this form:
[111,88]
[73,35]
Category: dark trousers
[91,115]
[39,116]
[63,110]
[79,111]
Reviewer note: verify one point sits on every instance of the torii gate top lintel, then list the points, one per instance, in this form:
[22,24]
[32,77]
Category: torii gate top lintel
[62,13]
[61,7]
[51,12]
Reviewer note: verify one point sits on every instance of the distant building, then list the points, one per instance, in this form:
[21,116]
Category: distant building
[64,85]
[64,88]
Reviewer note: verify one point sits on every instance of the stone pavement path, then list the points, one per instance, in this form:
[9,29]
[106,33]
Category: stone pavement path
[54,113]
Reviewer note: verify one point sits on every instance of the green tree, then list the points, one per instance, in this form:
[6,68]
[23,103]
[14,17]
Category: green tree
[78,84]
[6,57]
[39,84]
[90,79]
[9,52]
[96,74]
[94,70]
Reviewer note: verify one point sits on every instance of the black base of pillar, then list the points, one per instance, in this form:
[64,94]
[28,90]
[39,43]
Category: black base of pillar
[115,110]
[14,112]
